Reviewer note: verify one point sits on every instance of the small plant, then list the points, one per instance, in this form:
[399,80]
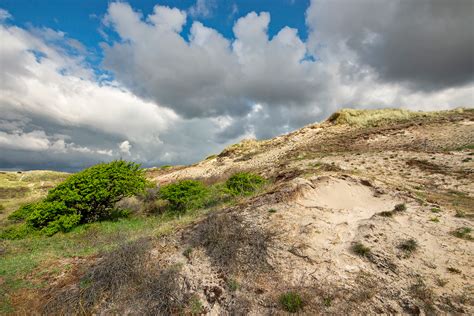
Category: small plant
[233,285]
[291,302]
[386,214]
[361,250]
[441,282]
[460,214]
[435,209]
[463,233]
[434,219]
[195,306]
[409,245]
[2,208]
[454,270]
[400,207]
[187,252]
[327,301]
[272,210]
[244,183]
[184,195]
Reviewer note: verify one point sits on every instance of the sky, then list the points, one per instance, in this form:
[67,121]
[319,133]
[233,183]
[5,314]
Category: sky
[171,82]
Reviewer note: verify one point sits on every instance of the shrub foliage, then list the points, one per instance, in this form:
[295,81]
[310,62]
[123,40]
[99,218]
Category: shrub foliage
[244,183]
[184,195]
[87,196]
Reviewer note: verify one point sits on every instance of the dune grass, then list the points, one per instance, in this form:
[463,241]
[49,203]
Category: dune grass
[375,117]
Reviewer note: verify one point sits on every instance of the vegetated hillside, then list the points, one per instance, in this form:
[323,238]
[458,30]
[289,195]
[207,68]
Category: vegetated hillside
[21,187]
[368,212]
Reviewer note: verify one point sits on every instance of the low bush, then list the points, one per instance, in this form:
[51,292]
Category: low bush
[87,196]
[408,245]
[22,212]
[184,195]
[291,302]
[244,183]
[400,207]
[361,250]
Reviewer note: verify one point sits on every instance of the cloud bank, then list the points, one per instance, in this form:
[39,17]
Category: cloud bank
[174,97]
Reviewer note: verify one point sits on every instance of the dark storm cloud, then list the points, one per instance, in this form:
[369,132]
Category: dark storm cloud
[428,44]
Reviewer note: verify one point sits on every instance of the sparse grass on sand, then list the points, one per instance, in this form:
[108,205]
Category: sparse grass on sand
[375,117]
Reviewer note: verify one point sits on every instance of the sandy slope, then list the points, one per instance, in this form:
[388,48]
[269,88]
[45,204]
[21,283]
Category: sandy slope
[331,183]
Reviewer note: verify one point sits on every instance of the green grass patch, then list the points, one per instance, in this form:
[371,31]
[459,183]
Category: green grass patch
[291,302]
[463,233]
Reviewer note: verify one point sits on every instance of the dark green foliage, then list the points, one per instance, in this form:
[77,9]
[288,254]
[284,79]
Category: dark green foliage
[244,183]
[93,192]
[53,217]
[87,196]
[361,250]
[291,302]
[184,195]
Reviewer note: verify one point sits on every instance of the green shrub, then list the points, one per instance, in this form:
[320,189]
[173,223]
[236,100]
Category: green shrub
[22,213]
[291,302]
[87,196]
[53,217]
[244,183]
[93,192]
[184,195]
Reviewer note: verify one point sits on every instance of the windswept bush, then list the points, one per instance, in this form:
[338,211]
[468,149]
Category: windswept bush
[184,195]
[22,213]
[87,196]
[244,183]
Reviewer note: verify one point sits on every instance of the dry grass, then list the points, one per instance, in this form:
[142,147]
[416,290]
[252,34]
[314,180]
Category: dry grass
[120,280]
[233,243]
[375,117]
